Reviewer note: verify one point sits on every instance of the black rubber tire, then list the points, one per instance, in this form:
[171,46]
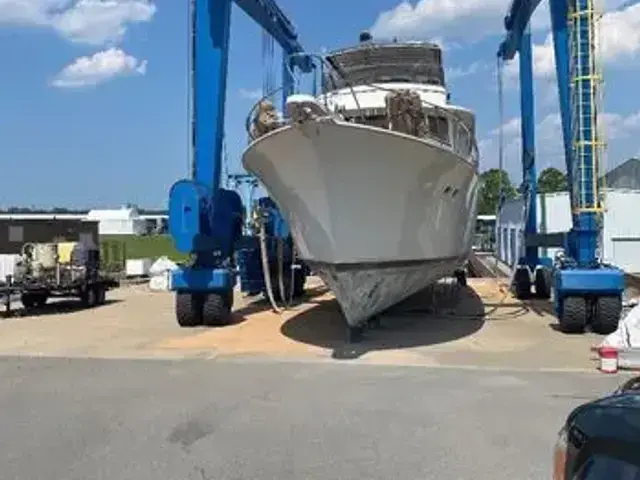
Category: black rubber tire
[542,282]
[215,310]
[188,309]
[101,295]
[573,318]
[29,300]
[41,300]
[229,297]
[606,315]
[89,297]
[522,283]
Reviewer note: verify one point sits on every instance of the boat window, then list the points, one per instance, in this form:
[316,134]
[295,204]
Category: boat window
[463,141]
[439,127]
[380,121]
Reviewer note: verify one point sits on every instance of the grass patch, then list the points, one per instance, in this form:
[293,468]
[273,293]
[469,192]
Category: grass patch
[117,248]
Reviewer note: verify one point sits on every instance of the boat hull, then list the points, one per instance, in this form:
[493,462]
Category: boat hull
[377,214]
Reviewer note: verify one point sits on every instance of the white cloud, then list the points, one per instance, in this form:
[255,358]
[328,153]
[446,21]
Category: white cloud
[250,93]
[469,19]
[98,68]
[440,17]
[549,144]
[93,22]
[549,149]
[455,73]
[619,35]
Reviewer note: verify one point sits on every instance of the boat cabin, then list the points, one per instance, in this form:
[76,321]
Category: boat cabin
[367,63]
[360,78]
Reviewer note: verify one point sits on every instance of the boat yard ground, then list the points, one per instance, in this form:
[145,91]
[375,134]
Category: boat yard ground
[476,390]
[477,326]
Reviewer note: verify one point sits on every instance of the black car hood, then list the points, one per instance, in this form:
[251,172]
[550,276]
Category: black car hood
[616,415]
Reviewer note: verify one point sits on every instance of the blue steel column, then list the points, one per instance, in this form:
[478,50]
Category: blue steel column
[586,124]
[527,131]
[211,27]
[559,25]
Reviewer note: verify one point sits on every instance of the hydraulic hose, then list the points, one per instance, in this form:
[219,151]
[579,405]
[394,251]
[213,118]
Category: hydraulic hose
[283,294]
[265,264]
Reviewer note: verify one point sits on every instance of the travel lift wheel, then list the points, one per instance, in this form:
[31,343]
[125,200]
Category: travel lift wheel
[573,314]
[522,282]
[542,282]
[606,314]
[208,309]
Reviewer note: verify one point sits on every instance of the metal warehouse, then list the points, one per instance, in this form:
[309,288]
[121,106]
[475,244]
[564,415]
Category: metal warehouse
[620,240]
[14,233]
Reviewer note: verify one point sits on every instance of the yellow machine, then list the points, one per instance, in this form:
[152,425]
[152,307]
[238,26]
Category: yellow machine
[65,249]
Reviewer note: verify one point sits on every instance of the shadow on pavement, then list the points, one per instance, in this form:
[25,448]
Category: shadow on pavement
[436,315]
[54,307]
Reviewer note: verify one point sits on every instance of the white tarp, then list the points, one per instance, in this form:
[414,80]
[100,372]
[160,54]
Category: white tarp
[160,273]
[162,265]
[628,333]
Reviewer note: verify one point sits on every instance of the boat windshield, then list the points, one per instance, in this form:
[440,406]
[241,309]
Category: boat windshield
[368,63]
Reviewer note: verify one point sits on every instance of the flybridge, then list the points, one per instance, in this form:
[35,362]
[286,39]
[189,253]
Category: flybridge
[416,62]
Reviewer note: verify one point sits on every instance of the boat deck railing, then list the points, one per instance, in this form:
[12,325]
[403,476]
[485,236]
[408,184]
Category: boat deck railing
[461,140]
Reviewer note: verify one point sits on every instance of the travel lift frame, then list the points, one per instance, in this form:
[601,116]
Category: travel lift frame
[205,219]
[585,290]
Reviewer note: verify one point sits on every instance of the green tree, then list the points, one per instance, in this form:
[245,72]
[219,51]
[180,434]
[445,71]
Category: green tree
[552,180]
[492,181]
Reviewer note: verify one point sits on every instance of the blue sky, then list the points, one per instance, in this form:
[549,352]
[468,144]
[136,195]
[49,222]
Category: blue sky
[93,93]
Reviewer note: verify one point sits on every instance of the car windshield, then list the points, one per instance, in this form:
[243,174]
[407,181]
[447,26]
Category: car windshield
[602,467]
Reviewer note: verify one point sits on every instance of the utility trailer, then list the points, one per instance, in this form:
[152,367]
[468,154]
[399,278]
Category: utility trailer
[91,291]
[63,269]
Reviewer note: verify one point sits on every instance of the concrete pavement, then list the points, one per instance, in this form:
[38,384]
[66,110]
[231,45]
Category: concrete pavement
[264,419]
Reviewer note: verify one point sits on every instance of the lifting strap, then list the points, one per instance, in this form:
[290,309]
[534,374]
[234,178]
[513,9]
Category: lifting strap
[269,73]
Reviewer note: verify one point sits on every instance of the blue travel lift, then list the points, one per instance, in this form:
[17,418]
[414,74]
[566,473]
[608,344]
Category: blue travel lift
[205,219]
[585,290]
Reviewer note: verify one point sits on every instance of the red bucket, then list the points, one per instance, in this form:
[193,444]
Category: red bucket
[608,359]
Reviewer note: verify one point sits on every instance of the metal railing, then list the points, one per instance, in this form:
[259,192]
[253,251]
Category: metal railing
[461,139]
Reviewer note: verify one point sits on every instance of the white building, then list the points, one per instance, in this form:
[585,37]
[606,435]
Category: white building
[620,241]
[123,221]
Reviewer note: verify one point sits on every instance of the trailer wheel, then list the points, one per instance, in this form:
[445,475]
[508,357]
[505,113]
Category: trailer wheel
[101,295]
[88,297]
[29,300]
[188,309]
[41,299]
[543,282]
[606,315]
[216,311]
[573,315]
